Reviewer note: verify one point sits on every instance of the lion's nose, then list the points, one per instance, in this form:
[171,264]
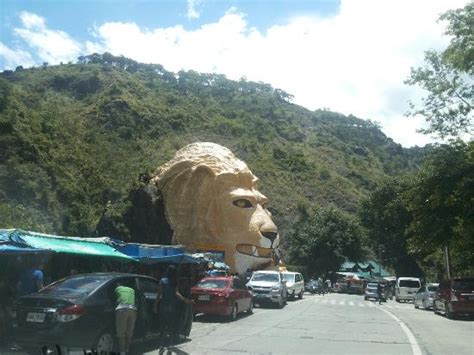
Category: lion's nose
[270,235]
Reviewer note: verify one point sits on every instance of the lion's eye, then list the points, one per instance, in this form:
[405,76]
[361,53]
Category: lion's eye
[243,203]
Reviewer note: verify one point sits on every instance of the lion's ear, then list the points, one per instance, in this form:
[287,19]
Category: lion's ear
[202,170]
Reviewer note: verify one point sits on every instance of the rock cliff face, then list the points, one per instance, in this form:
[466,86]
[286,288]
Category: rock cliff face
[144,220]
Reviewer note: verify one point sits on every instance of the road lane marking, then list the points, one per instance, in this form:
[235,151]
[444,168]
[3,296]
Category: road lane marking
[411,338]
[342,303]
[333,302]
[351,303]
[361,304]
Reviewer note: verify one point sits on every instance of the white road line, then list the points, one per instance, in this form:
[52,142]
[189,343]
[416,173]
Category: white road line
[351,303]
[325,301]
[333,302]
[361,304]
[342,303]
[411,338]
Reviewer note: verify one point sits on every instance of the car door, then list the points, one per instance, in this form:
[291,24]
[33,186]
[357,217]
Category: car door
[241,294]
[148,291]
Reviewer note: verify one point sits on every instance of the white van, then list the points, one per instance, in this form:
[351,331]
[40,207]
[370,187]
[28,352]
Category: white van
[294,284]
[406,288]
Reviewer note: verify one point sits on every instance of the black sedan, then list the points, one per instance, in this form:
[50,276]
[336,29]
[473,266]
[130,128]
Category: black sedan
[78,312]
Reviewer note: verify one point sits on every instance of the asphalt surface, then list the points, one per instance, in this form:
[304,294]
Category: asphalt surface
[331,324]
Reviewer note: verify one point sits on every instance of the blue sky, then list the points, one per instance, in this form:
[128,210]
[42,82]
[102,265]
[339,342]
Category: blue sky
[350,56]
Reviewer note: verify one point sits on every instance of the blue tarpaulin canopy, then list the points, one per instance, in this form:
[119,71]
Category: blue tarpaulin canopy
[151,254]
[18,240]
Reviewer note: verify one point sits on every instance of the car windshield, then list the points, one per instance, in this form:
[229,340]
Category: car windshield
[212,284]
[432,288]
[74,288]
[265,277]
[464,285]
[289,277]
[409,283]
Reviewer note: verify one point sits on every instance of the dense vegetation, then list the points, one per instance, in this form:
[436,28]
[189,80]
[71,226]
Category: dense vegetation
[426,218]
[76,138]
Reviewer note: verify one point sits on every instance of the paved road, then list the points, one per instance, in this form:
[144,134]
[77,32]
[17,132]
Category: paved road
[331,324]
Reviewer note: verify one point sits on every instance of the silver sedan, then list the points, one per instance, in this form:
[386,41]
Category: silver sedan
[424,296]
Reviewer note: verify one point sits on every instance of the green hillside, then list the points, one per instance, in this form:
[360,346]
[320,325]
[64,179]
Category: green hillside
[75,139]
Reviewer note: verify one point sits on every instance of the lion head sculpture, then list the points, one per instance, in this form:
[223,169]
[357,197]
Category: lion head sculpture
[212,201]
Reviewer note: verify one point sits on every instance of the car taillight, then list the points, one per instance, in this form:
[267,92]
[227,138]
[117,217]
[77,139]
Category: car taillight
[70,313]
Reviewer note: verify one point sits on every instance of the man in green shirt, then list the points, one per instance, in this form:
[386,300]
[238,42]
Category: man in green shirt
[125,316]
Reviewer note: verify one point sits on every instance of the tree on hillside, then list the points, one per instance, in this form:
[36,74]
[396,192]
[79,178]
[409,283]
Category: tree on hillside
[385,215]
[322,239]
[447,76]
[441,200]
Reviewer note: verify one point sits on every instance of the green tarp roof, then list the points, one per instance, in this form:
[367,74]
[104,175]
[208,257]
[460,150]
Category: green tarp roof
[70,245]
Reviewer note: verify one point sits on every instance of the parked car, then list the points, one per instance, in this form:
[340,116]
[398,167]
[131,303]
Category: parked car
[424,296]
[223,296]
[294,284]
[312,286]
[268,287]
[371,292]
[78,313]
[455,296]
[406,288]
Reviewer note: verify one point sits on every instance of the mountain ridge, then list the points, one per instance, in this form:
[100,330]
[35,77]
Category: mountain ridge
[77,139]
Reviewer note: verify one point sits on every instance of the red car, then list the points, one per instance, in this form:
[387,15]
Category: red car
[455,296]
[223,296]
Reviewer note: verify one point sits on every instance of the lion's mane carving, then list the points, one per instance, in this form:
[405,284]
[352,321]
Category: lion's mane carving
[211,198]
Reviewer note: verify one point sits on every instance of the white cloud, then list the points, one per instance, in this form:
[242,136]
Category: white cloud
[193,12]
[353,62]
[52,46]
[30,20]
[12,58]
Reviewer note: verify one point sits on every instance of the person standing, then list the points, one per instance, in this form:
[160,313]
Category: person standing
[167,305]
[125,316]
[379,292]
[31,280]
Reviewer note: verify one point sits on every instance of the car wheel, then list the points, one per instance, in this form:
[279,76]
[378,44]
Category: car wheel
[423,304]
[397,299]
[300,295]
[292,296]
[281,302]
[233,313]
[104,344]
[414,303]
[435,309]
[250,310]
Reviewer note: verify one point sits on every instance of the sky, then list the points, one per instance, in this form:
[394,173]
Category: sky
[348,56]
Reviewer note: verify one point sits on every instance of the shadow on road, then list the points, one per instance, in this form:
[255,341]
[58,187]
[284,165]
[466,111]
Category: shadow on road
[157,347]
[208,318]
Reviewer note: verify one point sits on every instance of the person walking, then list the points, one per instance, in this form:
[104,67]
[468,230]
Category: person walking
[167,305]
[125,316]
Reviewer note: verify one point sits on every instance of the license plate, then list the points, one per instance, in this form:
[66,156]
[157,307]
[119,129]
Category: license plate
[204,298]
[35,317]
